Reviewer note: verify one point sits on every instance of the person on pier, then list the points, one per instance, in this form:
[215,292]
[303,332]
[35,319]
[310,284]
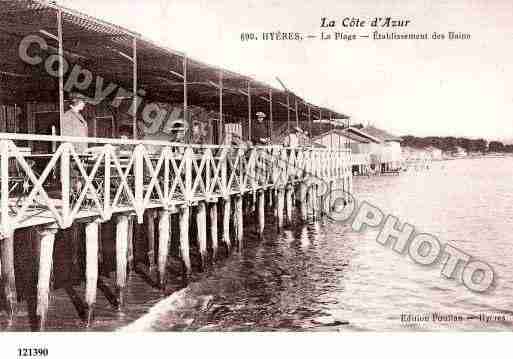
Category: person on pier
[73,123]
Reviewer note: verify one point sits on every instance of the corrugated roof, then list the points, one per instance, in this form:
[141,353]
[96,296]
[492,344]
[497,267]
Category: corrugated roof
[106,49]
[343,133]
[364,134]
[381,134]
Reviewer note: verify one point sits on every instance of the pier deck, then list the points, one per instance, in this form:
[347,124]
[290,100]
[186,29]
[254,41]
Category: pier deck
[150,180]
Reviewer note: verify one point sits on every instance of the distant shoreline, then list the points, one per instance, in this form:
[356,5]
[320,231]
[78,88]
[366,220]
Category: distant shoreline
[498,155]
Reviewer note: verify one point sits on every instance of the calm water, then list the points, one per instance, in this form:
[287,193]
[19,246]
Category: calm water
[322,276]
[326,277]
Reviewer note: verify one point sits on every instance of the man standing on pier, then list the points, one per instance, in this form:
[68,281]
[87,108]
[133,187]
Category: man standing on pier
[73,123]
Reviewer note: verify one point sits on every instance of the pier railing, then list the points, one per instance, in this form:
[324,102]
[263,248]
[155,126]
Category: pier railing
[115,176]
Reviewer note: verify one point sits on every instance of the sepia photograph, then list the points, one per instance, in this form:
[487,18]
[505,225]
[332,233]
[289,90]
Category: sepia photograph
[330,167]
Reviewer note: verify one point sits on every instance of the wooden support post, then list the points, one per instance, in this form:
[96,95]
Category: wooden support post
[186,117]
[61,69]
[213,229]
[288,197]
[310,124]
[134,89]
[47,238]
[226,222]
[288,114]
[316,199]
[261,213]
[201,225]
[164,239]
[9,279]
[327,199]
[130,264]
[100,250]
[303,201]
[91,233]
[150,218]
[253,201]
[311,196]
[121,257]
[271,115]
[279,208]
[221,122]
[184,240]
[74,233]
[238,221]
[271,197]
[249,111]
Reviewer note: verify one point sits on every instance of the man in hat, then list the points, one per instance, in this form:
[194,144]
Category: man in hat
[259,130]
[74,124]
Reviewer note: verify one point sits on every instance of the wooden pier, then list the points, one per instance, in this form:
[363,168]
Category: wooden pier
[108,185]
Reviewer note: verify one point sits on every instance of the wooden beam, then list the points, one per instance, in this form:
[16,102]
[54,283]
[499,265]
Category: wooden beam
[176,74]
[285,106]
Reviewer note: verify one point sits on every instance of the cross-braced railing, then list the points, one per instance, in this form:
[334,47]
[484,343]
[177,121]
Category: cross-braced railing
[114,176]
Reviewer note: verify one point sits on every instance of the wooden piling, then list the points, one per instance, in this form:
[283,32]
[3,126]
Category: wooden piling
[201,225]
[253,202]
[121,257]
[91,233]
[130,263]
[164,238]
[327,198]
[9,279]
[47,239]
[213,229]
[150,219]
[279,208]
[226,222]
[261,213]
[74,232]
[288,199]
[271,197]
[238,221]
[312,203]
[303,201]
[184,240]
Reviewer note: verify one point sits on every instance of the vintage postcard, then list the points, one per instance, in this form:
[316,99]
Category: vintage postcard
[254,166]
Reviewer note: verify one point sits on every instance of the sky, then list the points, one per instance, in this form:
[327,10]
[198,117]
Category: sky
[419,87]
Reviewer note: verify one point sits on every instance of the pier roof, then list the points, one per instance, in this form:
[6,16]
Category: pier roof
[107,50]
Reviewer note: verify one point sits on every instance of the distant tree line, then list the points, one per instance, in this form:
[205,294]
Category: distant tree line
[449,144]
